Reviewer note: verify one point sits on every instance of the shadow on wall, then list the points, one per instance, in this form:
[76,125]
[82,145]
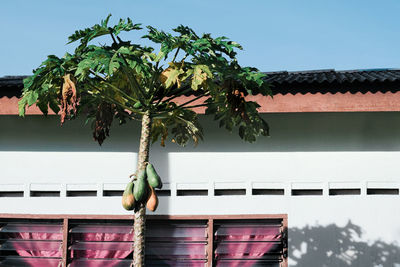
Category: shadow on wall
[348,131]
[331,246]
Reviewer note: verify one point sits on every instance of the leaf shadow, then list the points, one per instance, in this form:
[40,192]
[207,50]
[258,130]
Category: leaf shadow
[332,245]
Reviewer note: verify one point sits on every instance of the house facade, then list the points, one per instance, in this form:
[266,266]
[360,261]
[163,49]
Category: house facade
[322,190]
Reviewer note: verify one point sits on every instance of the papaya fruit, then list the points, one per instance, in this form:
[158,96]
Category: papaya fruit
[140,191]
[128,200]
[152,202]
[152,177]
[142,175]
[137,105]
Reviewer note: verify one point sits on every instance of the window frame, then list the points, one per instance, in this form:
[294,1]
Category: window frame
[209,218]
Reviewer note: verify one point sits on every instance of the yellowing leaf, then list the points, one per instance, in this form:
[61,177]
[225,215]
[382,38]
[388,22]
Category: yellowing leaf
[200,74]
[170,75]
[198,78]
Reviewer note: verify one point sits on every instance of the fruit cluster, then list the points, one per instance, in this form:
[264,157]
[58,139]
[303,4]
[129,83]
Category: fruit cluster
[141,189]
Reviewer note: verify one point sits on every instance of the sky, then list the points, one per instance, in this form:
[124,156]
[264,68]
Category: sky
[276,35]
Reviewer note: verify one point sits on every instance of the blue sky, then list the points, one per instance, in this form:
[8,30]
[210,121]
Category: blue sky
[276,35]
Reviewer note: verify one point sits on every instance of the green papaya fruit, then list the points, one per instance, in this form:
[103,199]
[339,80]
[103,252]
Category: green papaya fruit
[140,190]
[142,175]
[128,200]
[152,177]
[137,105]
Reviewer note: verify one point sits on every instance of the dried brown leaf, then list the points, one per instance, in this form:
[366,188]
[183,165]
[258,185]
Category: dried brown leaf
[104,117]
[69,100]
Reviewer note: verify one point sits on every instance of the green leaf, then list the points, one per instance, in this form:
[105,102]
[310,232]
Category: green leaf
[104,23]
[160,56]
[242,130]
[53,104]
[97,30]
[21,107]
[31,97]
[43,106]
[125,26]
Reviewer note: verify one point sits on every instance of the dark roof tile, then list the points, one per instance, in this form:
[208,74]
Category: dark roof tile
[332,81]
[283,82]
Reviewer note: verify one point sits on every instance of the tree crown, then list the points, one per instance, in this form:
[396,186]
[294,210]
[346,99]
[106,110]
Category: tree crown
[123,80]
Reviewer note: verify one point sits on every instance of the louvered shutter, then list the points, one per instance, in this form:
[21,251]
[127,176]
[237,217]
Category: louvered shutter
[168,243]
[248,243]
[30,243]
[176,243]
[95,242]
[99,243]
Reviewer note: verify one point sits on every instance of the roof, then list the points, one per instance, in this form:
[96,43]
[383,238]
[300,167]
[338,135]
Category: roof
[283,82]
[299,91]
[11,85]
[333,76]
[332,81]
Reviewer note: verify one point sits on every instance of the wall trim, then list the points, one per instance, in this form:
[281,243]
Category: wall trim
[131,217]
[288,103]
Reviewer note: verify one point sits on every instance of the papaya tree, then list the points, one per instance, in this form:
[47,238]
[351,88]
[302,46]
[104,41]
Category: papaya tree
[160,85]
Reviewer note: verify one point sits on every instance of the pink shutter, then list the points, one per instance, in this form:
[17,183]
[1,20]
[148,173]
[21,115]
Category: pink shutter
[248,243]
[176,243]
[31,243]
[98,243]
[168,243]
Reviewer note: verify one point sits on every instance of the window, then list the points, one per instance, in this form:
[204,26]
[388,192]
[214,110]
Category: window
[31,242]
[170,240]
[248,243]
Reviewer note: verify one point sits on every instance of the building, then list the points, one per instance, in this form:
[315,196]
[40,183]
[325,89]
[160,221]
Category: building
[323,190]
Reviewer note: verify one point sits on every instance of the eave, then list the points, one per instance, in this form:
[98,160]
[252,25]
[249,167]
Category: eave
[306,91]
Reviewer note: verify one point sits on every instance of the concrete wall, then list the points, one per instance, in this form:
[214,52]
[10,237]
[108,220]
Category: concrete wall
[308,151]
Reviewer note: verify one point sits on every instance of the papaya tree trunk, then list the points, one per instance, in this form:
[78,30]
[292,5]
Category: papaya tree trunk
[140,213]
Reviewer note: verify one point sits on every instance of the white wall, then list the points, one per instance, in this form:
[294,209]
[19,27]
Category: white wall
[305,151]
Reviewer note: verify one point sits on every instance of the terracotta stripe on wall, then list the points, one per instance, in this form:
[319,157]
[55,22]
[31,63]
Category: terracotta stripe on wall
[347,102]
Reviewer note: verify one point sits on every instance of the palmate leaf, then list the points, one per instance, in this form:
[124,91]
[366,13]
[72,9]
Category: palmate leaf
[86,35]
[171,75]
[200,75]
[98,59]
[254,81]
[97,30]
[159,130]
[167,41]
[186,127]
[23,103]
[186,31]
[180,124]
[44,85]
[125,26]
[248,121]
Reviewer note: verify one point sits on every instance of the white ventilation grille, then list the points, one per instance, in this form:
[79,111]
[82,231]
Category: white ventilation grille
[210,189]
